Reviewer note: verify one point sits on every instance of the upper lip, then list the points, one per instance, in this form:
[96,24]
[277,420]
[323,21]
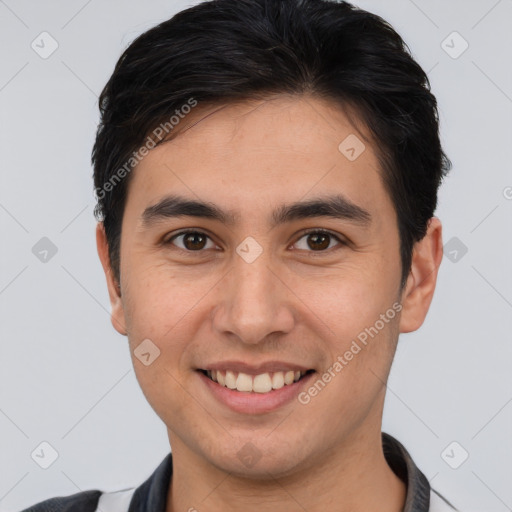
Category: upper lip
[252,369]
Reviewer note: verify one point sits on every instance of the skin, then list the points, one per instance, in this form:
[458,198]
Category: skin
[293,303]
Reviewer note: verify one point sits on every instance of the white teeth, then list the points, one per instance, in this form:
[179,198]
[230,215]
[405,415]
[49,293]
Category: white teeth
[230,380]
[262,383]
[278,380]
[289,377]
[244,382]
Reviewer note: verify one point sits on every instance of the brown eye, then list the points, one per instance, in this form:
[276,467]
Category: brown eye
[318,241]
[191,240]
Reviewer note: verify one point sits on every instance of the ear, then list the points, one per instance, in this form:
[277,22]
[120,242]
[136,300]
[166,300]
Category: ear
[114,292]
[421,282]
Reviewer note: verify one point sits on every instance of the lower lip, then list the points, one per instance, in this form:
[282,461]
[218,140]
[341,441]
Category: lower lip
[252,402]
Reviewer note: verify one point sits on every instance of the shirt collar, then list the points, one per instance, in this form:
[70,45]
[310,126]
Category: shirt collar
[151,496]
[418,489]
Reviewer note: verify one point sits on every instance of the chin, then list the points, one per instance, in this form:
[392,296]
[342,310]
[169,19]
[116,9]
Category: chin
[257,459]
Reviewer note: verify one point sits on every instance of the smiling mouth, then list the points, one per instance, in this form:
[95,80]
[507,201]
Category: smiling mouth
[262,383]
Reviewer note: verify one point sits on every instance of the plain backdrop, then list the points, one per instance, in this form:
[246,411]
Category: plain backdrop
[66,376]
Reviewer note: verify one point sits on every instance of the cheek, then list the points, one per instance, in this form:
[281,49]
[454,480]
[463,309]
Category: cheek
[346,300]
[161,312]
[359,315]
[348,390]
[165,305]
[152,287]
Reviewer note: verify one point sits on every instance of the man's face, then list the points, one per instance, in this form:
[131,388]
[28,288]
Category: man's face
[303,300]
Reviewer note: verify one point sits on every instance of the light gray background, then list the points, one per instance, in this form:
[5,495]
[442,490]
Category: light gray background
[66,376]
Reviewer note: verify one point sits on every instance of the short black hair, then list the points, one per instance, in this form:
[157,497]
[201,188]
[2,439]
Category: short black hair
[222,51]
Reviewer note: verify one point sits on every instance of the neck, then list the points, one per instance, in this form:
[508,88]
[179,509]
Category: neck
[354,477]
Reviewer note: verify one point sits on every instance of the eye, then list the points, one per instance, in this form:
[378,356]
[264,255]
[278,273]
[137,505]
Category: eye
[318,240]
[192,241]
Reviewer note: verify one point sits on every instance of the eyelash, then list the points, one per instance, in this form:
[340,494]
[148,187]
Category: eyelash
[303,234]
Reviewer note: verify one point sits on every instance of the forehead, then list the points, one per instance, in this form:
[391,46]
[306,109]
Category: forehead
[304,125]
[249,155]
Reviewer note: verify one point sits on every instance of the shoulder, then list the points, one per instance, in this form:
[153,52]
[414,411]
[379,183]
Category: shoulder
[85,501]
[153,491]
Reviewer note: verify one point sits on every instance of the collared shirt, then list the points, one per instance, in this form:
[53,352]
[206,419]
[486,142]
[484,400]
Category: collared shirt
[151,496]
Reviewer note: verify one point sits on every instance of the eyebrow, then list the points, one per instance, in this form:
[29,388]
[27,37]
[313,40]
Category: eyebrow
[333,206]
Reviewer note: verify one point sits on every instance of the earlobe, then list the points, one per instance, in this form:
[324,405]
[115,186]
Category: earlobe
[421,282]
[117,314]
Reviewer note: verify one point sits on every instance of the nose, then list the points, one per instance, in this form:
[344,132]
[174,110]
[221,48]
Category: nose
[254,302]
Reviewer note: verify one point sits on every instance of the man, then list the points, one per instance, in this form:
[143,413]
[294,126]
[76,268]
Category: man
[266,174]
